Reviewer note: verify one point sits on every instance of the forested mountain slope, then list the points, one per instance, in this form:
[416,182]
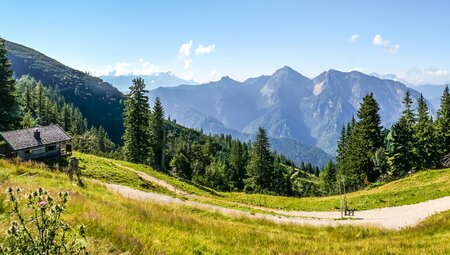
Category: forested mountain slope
[97,100]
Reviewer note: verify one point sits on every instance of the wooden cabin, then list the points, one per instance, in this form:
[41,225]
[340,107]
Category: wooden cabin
[40,143]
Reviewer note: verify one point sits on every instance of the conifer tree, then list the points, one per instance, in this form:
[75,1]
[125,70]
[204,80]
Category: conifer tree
[39,95]
[366,139]
[260,167]
[65,117]
[157,132]
[238,162]
[425,147]
[137,147]
[401,155]
[408,113]
[28,121]
[9,108]
[328,178]
[443,124]
[401,151]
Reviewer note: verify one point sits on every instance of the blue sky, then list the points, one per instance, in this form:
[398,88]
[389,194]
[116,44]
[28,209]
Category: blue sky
[204,40]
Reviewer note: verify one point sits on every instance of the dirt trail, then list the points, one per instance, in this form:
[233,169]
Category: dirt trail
[155,180]
[390,217]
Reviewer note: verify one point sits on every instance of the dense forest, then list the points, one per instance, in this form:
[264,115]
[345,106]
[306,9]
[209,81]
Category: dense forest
[369,153]
[97,100]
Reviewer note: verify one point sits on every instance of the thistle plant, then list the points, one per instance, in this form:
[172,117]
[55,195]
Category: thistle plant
[37,227]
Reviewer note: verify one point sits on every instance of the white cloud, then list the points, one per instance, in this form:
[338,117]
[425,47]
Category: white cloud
[186,62]
[185,49]
[353,38]
[204,49]
[189,76]
[418,76]
[386,45]
[141,67]
[213,74]
[358,68]
[184,53]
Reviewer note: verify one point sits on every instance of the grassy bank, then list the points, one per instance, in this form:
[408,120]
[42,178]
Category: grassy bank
[117,225]
[418,187]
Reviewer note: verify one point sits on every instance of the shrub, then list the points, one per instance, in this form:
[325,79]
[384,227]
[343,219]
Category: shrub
[38,228]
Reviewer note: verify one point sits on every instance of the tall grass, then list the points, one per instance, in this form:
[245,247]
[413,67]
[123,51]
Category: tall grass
[116,225]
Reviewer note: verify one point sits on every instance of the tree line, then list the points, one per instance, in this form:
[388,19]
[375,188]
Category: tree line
[367,152]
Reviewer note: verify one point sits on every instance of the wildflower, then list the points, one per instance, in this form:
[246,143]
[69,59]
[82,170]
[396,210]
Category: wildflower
[42,204]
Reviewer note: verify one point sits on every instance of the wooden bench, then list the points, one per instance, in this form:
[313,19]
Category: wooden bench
[349,212]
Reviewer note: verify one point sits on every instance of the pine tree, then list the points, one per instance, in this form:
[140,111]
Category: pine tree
[238,163]
[28,121]
[328,178]
[65,117]
[9,108]
[401,155]
[425,148]
[181,160]
[366,138]
[443,124]
[157,132]
[401,144]
[408,113]
[39,95]
[137,147]
[28,97]
[260,167]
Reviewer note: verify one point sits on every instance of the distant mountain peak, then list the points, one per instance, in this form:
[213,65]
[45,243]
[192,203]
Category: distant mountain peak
[225,79]
[286,70]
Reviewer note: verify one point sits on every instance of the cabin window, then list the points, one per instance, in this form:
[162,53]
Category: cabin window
[51,147]
[29,151]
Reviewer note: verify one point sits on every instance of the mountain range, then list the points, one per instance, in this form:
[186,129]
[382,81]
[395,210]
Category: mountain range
[303,116]
[286,103]
[432,92]
[152,81]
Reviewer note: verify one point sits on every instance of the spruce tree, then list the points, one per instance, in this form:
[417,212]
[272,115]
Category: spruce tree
[137,147]
[9,109]
[238,162]
[39,95]
[367,137]
[328,178]
[443,124]
[260,167]
[157,133]
[401,144]
[28,121]
[408,113]
[425,148]
[401,155]
[65,118]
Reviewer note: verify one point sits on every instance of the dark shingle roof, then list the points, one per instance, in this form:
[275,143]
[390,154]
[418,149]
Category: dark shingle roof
[24,138]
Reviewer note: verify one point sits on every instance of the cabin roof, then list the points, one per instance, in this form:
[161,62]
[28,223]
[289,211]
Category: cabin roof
[24,138]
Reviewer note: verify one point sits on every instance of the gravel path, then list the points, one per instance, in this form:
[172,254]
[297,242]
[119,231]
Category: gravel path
[390,217]
[155,180]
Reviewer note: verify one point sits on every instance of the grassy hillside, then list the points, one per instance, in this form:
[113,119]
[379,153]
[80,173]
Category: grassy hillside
[418,187]
[116,225]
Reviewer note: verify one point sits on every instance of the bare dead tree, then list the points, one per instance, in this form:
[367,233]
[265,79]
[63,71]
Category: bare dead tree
[446,160]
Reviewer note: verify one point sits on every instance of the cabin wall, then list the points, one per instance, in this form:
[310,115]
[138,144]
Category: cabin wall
[43,152]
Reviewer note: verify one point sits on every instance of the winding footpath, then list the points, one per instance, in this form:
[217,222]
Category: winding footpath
[390,217]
